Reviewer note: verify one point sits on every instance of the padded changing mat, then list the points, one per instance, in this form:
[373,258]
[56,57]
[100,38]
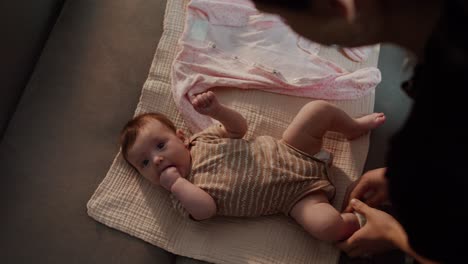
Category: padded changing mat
[126,202]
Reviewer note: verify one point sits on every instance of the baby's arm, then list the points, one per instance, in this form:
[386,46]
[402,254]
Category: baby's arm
[197,202]
[234,123]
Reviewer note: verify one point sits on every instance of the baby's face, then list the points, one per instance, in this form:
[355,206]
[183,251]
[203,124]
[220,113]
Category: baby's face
[157,148]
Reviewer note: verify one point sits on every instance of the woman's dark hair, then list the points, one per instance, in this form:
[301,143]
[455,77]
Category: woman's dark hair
[290,4]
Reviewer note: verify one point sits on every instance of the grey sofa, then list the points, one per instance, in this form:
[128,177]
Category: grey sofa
[62,134]
[71,75]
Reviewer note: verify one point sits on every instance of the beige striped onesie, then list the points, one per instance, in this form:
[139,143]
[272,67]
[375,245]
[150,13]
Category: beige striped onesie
[251,178]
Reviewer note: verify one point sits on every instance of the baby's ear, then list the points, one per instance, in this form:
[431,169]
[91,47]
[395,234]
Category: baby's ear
[181,135]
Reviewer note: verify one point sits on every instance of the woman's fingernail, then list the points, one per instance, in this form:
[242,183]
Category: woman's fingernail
[353,201]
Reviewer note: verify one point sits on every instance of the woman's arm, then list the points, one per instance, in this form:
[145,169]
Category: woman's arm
[381,233]
[403,244]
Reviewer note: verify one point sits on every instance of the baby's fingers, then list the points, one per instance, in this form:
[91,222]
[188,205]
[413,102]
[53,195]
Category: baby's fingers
[199,101]
[206,99]
[196,102]
[210,96]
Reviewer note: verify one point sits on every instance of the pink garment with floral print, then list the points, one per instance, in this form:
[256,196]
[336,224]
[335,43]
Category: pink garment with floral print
[231,44]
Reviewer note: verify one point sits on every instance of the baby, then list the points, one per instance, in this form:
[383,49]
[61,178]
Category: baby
[216,172]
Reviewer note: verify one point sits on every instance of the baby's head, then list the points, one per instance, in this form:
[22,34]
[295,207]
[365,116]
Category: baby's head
[151,143]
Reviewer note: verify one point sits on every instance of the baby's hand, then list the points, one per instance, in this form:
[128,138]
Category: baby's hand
[206,103]
[168,177]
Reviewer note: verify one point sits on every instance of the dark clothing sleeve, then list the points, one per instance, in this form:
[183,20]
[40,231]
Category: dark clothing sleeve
[428,157]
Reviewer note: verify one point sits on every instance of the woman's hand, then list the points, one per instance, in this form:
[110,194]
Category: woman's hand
[370,188]
[380,233]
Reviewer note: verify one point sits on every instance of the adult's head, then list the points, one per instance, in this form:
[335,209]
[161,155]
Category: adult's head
[359,22]
[426,174]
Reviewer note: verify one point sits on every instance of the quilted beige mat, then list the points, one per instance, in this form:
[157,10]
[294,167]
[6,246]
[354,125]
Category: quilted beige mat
[126,202]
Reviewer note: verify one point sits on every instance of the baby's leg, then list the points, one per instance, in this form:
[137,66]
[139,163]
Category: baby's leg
[314,119]
[322,220]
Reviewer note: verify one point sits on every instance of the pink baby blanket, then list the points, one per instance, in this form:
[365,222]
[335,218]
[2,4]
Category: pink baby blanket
[231,44]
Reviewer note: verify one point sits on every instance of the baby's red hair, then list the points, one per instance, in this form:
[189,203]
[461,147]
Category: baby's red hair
[130,131]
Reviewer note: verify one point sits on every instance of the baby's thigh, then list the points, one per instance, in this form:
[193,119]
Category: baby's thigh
[314,210]
[306,130]
[308,203]
[318,217]
[302,141]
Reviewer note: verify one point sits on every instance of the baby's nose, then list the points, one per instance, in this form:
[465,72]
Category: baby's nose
[157,160]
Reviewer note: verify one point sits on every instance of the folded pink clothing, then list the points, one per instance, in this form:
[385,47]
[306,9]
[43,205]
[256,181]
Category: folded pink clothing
[231,44]
[358,54]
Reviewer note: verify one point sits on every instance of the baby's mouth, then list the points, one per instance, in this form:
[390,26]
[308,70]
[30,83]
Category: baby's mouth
[166,167]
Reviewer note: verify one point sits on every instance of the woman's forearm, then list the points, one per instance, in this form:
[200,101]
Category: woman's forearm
[401,242]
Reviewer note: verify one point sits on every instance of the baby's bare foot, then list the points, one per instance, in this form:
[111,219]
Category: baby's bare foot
[367,123]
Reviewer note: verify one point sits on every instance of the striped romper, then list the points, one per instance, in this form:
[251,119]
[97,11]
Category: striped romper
[251,178]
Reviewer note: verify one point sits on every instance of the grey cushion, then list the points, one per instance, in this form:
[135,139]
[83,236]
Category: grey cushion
[25,27]
[63,136]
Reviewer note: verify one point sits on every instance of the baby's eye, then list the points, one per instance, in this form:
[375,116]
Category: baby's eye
[145,163]
[160,145]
